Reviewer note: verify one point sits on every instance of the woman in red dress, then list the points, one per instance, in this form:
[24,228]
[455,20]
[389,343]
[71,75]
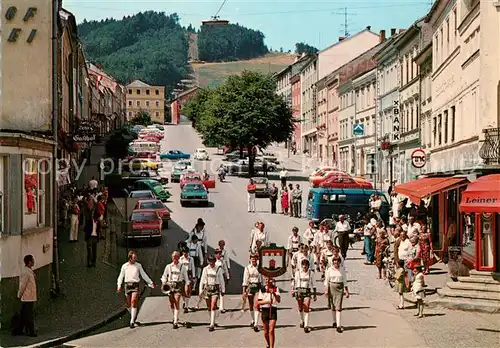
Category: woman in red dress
[426,250]
[30,200]
[284,201]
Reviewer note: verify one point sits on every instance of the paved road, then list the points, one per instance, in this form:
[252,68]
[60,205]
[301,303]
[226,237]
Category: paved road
[370,317]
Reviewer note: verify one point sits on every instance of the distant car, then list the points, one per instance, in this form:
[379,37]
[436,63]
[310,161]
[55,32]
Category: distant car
[194,193]
[201,155]
[145,224]
[188,171]
[156,205]
[261,187]
[153,185]
[141,164]
[242,166]
[148,175]
[322,176]
[142,194]
[175,155]
[160,127]
[196,177]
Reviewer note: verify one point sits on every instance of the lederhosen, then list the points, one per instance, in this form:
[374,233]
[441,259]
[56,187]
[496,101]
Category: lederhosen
[300,292]
[176,286]
[214,289]
[193,248]
[131,287]
[253,287]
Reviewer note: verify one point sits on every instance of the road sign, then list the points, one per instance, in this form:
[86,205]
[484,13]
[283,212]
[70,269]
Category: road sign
[272,261]
[358,129]
[418,158]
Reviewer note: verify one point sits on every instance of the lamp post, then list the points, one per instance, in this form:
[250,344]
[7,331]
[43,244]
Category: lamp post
[387,150]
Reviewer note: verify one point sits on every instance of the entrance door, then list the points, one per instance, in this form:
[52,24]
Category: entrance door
[485,242]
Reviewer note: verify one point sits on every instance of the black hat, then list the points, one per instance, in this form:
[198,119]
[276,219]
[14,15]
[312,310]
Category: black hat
[210,258]
[305,262]
[200,222]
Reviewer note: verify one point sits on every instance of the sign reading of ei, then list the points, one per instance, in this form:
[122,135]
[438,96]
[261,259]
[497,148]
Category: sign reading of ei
[10,14]
[418,158]
[358,129]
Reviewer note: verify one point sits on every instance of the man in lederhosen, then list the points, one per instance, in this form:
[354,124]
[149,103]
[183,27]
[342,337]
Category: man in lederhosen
[131,272]
[294,242]
[188,262]
[211,286]
[252,283]
[221,266]
[175,283]
[303,289]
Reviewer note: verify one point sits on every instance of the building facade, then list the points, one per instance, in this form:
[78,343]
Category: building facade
[347,113]
[26,148]
[308,79]
[283,86]
[332,122]
[424,63]
[177,103]
[322,114]
[144,97]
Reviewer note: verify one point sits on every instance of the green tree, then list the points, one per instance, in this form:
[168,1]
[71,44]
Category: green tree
[142,117]
[301,47]
[245,111]
[193,108]
[118,143]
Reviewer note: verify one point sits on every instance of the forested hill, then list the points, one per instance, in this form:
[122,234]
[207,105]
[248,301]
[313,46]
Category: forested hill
[153,46]
[229,43]
[149,46]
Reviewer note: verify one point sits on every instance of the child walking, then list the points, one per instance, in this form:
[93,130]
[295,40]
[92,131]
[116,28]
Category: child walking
[400,276]
[418,289]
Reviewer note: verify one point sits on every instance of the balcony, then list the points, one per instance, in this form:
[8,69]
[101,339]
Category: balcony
[490,150]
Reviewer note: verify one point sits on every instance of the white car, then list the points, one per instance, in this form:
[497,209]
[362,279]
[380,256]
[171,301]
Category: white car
[201,155]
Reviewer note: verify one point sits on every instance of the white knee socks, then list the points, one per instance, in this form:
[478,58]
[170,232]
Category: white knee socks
[221,307]
[252,315]
[212,318]
[176,316]
[334,317]
[301,316]
[337,315]
[133,314]
[256,317]
[401,301]
[186,301]
[306,319]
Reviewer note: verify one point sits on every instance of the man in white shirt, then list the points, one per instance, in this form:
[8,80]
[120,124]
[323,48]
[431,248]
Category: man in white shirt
[93,184]
[368,233]
[343,228]
[376,204]
[413,227]
[131,272]
[175,278]
[283,177]
[211,286]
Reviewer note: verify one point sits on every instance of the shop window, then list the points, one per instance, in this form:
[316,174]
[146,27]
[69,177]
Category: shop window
[468,233]
[453,225]
[34,185]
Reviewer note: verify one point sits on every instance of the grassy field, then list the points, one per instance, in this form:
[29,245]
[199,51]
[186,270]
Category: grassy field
[213,74]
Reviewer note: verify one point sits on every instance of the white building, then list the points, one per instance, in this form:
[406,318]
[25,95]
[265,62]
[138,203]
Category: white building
[308,79]
[346,115]
[456,119]
[283,85]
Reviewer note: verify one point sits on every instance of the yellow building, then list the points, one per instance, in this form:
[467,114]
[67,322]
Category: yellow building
[141,96]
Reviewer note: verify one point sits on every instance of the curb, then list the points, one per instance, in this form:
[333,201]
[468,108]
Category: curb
[80,333]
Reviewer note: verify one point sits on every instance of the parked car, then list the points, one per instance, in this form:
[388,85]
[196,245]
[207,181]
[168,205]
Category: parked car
[153,185]
[145,224]
[143,194]
[147,174]
[201,155]
[321,175]
[156,205]
[174,155]
[140,164]
[194,193]
[160,127]
[187,171]
[242,166]
[196,177]
[261,187]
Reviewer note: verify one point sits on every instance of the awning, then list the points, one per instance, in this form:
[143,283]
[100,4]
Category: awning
[420,188]
[482,195]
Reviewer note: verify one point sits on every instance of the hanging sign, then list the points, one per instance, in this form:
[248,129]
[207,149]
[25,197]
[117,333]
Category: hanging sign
[418,158]
[85,133]
[396,131]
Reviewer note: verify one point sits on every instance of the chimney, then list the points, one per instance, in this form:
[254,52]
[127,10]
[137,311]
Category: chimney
[368,27]
[382,36]
[341,38]
[393,31]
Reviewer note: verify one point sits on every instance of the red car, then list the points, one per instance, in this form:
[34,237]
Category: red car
[158,206]
[195,177]
[344,181]
[327,174]
[145,224]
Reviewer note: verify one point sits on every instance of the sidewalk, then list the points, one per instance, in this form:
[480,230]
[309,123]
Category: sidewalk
[87,298]
[297,161]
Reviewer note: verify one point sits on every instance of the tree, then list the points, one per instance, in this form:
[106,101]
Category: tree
[246,112]
[142,117]
[193,108]
[118,143]
[301,47]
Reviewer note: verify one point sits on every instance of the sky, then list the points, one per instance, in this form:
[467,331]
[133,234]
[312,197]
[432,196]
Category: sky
[284,22]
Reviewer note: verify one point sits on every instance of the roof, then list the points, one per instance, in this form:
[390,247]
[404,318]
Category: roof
[138,83]
[349,38]
[409,33]
[432,10]
[186,92]
[482,195]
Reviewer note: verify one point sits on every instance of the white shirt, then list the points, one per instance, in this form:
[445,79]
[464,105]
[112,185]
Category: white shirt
[321,238]
[376,204]
[175,273]
[202,238]
[333,275]
[283,174]
[299,256]
[293,243]
[262,236]
[212,276]
[395,206]
[413,229]
[132,273]
[309,235]
[251,275]
[265,296]
[404,227]
[195,251]
[225,259]
[368,229]
[188,262]
[303,279]
[404,249]
[93,184]
[222,266]
[342,226]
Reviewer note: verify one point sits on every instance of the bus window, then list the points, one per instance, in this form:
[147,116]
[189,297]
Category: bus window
[310,197]
[332,198]
[342,198]
[324,198]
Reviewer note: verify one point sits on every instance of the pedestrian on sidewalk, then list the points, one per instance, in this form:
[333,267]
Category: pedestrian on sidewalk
[75,215]
[131,272]
[284,201]
[273,197]
[175,282]
[200,231]
[28,295]
[252,283]
[283,177]
[91,238]
[368,239]
[343,228]
[400,277]
[381,249]
[251,188]
[99,216]
[290,198]
[264,167]
[259,235]
[268,300]
[335,289]
[297,201]
[212,285]
[418,288]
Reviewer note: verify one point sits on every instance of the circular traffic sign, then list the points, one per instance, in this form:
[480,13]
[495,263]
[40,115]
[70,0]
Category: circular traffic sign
[418,158]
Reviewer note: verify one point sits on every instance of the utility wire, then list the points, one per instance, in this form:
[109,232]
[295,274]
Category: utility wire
[220,8]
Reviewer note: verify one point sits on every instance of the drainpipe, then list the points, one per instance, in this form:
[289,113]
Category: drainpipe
[55,165]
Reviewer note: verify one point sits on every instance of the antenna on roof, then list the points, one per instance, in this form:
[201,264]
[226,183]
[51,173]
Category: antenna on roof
[346,20]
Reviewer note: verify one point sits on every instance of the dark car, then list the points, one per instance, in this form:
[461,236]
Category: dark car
[261,187]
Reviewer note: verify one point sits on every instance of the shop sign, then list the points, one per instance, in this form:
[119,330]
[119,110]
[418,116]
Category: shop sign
[418,158]
[396,131]
[272,261]
[10,14]
[85,133]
